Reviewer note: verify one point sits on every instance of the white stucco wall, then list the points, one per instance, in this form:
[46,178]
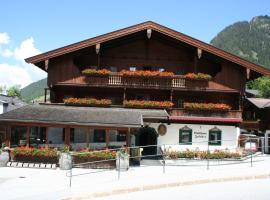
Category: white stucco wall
[229,136]
[1,108]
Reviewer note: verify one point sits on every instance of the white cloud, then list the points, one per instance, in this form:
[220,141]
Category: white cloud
[26,49]
[20,73]
[14,75]
[6,53]
[4,38]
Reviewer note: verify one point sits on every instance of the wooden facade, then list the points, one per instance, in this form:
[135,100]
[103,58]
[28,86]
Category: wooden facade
[132,48]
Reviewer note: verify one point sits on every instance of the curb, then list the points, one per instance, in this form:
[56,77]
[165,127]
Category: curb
[168,185]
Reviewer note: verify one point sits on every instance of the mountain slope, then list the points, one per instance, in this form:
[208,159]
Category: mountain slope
[249,40]
[34,90]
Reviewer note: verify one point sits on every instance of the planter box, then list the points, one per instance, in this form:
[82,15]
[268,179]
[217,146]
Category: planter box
[110,164]
[36,159]
[65,161]
[4,158]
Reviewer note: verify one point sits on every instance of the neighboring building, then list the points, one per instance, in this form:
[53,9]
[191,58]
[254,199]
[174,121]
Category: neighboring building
[7,104]
[146,46]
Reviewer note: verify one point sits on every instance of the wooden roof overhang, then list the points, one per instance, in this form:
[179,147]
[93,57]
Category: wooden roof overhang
[39,60]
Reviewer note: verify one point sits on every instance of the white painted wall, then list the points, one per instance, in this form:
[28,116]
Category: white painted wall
[229,136]
[1,108]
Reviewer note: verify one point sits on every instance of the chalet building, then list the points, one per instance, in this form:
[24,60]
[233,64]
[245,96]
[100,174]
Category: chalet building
[142,85]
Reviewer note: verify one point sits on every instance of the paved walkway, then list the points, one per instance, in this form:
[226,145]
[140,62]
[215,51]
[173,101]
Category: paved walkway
[21,183]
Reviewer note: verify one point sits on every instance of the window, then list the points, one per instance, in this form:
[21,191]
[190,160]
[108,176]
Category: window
[113,69]
[121,136]
[18,136]
[37,136]
[99,136]
[161,69]
[180,103]
[185,136]
[215,136]
[132,68]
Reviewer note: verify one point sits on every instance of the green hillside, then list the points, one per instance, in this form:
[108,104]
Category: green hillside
[249,40]
[34,90]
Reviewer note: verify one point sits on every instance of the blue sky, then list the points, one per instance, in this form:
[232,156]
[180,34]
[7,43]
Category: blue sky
[30,27]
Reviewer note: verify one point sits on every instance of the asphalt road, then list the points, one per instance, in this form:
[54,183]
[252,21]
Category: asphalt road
[239,190]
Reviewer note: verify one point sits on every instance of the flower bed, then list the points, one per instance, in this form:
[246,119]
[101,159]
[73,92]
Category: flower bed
[100,72]
[146,73]
[217,154]
[207,106]
[87,102]
[199,76]
[147,104]
[42,155]
[85,156]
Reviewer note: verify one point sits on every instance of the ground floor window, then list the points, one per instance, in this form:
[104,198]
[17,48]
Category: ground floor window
[78,138]
[37,136]
[185,136]
[117,138]
[18,136]
[56,137]
[99,136]
[215,136]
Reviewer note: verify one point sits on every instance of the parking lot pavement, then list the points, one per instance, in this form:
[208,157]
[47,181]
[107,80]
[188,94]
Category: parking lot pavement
[24,183]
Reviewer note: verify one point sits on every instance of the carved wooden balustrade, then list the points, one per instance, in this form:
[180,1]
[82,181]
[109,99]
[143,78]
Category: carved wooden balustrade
[117,80]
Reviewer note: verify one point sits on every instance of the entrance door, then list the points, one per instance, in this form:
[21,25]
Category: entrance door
[147,136]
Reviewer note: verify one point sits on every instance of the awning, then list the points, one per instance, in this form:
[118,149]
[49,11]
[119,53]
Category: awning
[206,119]
[260,102]
[84,116]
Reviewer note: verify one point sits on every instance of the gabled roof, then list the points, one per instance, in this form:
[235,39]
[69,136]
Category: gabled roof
[156,27]
[11,102]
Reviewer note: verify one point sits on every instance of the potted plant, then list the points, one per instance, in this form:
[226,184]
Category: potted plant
[122,160]
[199,80]
[4,156]
[65,161]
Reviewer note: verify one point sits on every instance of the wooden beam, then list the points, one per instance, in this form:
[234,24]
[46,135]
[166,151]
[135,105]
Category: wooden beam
[67,136]
[46,65]
[107,138]
[128,138]
[47,137]
[8,136]
[28,136]
[45,95]
[87,137]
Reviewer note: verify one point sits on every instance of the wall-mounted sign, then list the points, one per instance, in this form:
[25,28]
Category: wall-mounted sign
[162,129]
[200,135]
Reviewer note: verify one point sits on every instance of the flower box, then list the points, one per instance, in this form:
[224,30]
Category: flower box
[192,154]
[42,155]
[147,104]
[94,72]
[87,102]
[146,73]
[198,76]
[207,106]
[85,156]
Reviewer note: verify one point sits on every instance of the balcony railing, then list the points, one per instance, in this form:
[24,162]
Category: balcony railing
[234,114]
[117,80]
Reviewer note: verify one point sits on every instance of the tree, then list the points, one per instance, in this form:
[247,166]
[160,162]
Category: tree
[262,84]
[2,89]
[14,91]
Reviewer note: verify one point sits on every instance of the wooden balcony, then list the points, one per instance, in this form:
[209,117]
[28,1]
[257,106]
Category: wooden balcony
[117,80]
[251,125]
[232,114]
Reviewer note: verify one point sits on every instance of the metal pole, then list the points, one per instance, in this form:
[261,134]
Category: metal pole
[70,177]
[119,166]
[251,164]
[208,154]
